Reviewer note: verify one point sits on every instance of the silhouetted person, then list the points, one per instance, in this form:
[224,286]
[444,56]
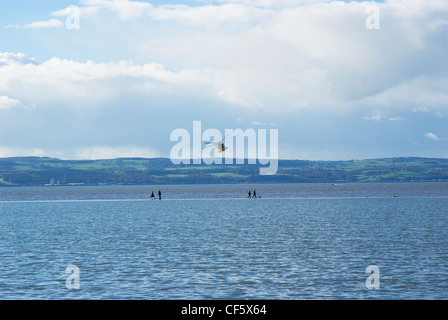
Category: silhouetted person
[250,194]
[255,194]
[160,195]
[152,195]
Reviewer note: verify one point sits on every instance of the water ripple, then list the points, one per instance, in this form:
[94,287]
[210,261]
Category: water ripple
[225,249]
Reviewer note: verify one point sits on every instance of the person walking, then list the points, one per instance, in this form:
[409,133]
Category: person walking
[160,195]
[250,194]
[255,194]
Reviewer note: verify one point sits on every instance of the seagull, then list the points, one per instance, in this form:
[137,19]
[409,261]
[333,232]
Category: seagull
[220,145]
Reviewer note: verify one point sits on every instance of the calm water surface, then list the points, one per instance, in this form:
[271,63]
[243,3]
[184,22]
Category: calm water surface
[305,241]
[305,190]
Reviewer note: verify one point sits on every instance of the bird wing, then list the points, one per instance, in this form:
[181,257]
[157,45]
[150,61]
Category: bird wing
[208,145]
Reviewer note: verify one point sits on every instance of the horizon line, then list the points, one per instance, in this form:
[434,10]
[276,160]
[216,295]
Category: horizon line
[223,158]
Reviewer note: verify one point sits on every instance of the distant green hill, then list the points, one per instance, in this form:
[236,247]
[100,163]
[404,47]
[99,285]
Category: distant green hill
[34,171]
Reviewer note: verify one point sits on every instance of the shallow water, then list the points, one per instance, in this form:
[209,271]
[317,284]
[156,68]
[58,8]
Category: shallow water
[310,244]
[226,191]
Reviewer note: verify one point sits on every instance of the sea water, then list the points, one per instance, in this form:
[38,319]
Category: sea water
[304,241]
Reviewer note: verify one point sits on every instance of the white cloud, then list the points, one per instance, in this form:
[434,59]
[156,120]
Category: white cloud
[416,91]
[85,12]
[124,9]
[81,153]
[322,54]
[6,152]
[270,3]
[108,152]
[421,109]
[69,82]
[8,58]
[52,23]
[131,10]
[290,54]
[379,115]
[432,136]
[233,98]
[12,26]
[8,103]
[271,60]
[210,16]
[424,109]
[395,118]
[376,116]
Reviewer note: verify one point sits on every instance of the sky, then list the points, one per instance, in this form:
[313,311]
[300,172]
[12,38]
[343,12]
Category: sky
[339,80]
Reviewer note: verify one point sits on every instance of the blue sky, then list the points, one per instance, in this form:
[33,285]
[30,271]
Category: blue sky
[136,70]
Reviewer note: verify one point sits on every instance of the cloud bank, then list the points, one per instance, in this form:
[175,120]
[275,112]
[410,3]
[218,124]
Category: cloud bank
[292,62]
